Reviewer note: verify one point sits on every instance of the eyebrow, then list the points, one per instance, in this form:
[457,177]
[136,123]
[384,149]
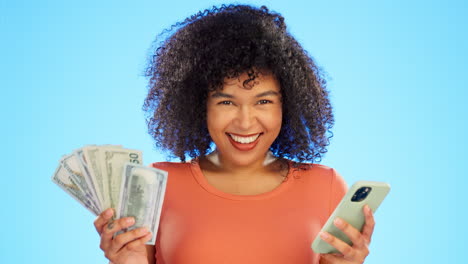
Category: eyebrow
[221,95]
[225,95]
[267,93]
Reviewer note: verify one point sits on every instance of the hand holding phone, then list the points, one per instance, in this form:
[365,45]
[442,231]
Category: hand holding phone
[350,210]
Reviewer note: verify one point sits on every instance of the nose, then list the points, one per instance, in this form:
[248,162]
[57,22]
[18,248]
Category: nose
[245,118]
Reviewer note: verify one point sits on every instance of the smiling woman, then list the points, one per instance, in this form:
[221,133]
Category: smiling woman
[233,90]
[201,52]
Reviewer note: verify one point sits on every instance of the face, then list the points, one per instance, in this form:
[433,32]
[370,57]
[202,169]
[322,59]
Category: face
[243,123]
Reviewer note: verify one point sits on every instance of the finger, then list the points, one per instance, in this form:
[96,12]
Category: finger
[123,239]
[139,244]
[345,249]
[354,235]
[102,219]
[329,259]
[113,227]
[368,228]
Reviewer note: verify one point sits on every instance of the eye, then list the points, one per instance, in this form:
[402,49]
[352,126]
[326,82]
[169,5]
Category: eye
[225,103]
[264,101]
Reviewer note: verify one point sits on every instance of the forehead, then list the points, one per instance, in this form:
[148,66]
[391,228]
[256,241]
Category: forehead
[262,82]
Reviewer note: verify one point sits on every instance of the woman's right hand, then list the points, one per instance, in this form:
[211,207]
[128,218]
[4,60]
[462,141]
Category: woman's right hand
[125,248]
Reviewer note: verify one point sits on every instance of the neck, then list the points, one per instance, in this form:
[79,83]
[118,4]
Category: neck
[247,170]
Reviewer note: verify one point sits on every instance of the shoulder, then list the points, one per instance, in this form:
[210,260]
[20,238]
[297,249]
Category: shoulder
[312,169]
[177,171]
[171,166]
[325,181]
[318,173]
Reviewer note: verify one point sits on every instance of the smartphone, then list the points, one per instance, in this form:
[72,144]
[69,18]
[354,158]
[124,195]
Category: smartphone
[350,210]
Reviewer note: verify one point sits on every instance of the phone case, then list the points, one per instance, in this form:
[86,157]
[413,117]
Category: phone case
[351,212]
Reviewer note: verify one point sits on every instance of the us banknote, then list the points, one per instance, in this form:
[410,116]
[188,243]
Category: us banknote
[141,197]
[110,176]
[90,159]
[72,164]
[112,160]
[65,181]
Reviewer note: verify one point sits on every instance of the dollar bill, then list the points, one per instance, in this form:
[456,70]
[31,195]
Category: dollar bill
[72,164]
[112,161]
[90,158]
[79,157]
[141,196]
[65,181]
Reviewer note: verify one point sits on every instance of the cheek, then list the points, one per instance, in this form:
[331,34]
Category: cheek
[275,120]
[215,121]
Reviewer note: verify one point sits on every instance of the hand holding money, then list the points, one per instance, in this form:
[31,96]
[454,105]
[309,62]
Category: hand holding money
[125,248]
[101,177]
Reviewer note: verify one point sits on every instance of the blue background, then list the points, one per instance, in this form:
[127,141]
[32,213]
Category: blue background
[71,75]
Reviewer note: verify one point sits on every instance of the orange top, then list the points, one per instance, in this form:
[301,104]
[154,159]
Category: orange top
[201,224]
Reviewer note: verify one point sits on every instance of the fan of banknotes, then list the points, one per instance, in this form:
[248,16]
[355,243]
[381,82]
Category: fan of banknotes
[110,176]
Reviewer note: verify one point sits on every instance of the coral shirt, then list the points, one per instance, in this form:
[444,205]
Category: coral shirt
[201,224]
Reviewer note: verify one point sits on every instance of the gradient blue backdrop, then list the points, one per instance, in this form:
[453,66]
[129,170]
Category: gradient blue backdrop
[71,75]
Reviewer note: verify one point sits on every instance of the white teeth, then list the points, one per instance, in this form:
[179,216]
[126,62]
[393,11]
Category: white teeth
[244,140]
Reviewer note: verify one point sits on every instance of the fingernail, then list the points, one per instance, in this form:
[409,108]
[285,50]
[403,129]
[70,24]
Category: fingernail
[324,236]
[338,222]
[130,220]
[108,212]
[367,208]
[143,230]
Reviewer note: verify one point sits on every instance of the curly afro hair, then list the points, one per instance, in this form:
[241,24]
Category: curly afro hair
[196,55]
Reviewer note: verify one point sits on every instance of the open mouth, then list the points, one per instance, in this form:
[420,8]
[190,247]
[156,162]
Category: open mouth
[244,143]
[244,139]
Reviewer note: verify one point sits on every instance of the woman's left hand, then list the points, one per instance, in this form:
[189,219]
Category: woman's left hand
[350,254]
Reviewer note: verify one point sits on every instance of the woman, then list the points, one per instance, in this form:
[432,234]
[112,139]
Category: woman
[233,90]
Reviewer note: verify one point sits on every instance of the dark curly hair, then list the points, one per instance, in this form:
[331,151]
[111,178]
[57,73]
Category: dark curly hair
[196,55]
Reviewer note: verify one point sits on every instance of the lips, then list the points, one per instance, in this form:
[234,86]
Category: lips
[244,142]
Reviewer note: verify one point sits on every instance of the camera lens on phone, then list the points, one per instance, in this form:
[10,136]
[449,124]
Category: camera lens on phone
[361,194]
